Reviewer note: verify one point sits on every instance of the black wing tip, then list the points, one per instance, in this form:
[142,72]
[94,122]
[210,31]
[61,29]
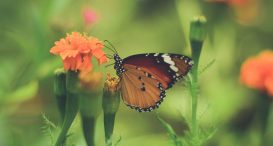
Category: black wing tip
[151,108]
[176,78]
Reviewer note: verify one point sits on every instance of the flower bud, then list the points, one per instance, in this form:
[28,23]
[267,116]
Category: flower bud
[198,29]
[90,104]
[110,104]
[197,36]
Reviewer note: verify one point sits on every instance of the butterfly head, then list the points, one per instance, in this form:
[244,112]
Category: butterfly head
[118,65]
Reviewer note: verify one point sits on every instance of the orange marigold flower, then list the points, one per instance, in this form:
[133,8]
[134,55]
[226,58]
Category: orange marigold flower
[257,72]
[76,51]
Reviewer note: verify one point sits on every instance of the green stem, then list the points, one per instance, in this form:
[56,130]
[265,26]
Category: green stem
[263,116]
[197,36]
[88,124]
[60,91]
[90,109]
[267,136]
[194,110]
[109,120]
[71,111]
[196,46]
[72,106]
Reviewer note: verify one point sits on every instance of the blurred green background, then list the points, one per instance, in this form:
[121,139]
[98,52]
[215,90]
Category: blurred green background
[236,31]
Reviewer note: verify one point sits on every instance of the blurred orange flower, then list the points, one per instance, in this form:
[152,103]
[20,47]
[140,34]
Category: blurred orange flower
[76,51]
[257,72]
[246,11]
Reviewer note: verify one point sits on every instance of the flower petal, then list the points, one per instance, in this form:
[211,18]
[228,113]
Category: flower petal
[103,59]
[86,65]
[251,75]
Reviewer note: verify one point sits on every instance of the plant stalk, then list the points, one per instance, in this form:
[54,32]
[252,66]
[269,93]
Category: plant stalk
[60,91]
[197,36]
[72,106]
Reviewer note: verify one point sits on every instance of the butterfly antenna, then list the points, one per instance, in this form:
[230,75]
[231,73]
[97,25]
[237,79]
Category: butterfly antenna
[109,48]
[113,47]
[109,65]
[109,56]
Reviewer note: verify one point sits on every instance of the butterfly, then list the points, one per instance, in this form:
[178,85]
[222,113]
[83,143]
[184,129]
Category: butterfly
[144,78]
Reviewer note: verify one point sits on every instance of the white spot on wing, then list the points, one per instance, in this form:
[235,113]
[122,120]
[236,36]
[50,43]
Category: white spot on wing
[146,74]
[168,60]
[191,62]
[174,68]
[165,55]
[156,54]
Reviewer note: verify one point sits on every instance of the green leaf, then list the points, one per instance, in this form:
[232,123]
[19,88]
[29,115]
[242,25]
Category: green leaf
[48,128]
[207,134]
[170,132]
[118,141]
[23,93]
[207,66]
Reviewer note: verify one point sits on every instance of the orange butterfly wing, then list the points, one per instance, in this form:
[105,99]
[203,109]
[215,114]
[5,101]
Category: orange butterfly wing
[140,89]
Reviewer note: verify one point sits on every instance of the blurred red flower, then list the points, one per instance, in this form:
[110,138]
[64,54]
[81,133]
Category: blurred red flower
[89,16]
[257,72]
[76,51]
[239,2]
[232,2]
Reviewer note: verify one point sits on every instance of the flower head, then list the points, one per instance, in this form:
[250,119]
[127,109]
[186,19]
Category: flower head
[257,72]
[111,84]
[91,80]
[76,51]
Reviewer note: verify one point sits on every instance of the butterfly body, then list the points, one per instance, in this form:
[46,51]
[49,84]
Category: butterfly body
[146,77]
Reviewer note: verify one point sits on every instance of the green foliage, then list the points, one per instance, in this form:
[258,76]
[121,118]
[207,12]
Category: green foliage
[118,141]
[207,66]
[172,135]
[48,128]
[71,106]
[204,135]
